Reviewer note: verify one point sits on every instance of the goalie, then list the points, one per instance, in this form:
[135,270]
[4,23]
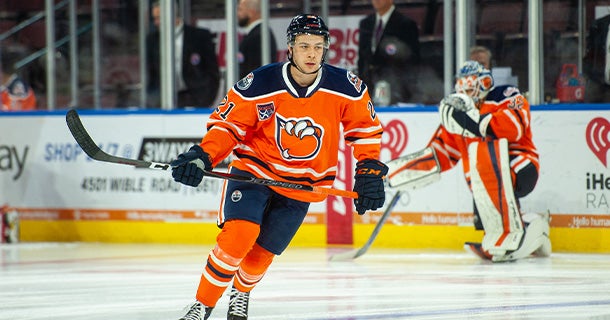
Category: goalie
[488,128]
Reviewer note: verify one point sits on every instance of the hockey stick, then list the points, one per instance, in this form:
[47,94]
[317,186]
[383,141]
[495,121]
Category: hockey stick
[403,176]
[85,141]
[353,254]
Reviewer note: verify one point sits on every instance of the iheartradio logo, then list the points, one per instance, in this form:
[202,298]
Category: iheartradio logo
[597,138]
[398,135]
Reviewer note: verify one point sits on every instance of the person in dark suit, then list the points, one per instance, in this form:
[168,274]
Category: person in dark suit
[197,72]
[250,55]
[388,54]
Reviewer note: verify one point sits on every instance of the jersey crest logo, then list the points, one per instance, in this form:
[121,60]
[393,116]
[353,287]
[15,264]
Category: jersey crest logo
[265,110]
[510,91]
[298,138]
[245,83]
[355,81]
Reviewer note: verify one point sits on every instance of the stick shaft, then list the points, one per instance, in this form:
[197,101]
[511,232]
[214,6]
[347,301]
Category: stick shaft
[353,254]
[89,146]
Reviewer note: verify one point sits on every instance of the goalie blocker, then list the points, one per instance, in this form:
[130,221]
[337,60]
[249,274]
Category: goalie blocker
[414,170]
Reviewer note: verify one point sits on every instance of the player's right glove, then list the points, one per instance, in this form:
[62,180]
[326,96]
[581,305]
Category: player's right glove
[188,167]
[369,185]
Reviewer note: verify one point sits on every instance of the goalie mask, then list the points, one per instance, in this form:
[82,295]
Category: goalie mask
[307,24]
[474,80]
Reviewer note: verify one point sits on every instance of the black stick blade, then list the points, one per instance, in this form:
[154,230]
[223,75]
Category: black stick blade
[89,146]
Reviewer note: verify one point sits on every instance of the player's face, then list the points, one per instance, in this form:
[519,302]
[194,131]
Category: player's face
[307,51]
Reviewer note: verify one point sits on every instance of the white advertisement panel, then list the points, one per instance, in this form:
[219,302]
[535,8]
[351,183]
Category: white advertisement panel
[42,169]
[49,169]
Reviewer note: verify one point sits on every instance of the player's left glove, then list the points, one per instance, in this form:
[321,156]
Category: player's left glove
[369,185]
[460,116]
[188,167]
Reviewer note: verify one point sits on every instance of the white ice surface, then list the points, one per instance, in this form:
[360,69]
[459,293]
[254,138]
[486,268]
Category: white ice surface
[92,281]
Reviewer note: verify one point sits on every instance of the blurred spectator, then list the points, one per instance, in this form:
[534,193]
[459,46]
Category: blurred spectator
[596,62]
[15,93]
[481,55]
[501,75]
[197,72]
[250,55]
[388,54]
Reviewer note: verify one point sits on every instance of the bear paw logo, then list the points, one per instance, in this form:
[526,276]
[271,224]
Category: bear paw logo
[298,139]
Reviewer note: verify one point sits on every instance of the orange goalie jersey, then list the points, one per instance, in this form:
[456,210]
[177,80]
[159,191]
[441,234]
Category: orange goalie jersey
[276,131]
[510,119]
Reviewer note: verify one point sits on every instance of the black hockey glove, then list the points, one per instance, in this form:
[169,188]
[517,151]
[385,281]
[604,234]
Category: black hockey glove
[369,185]
[188,167]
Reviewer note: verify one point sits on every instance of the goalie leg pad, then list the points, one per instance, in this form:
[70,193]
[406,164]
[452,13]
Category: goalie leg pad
[535,241]
[494,196]
[543,219]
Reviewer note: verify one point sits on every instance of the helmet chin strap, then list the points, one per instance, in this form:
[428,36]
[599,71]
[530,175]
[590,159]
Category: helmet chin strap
[299,68]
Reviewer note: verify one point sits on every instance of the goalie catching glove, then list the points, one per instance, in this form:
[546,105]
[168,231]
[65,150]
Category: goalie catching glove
[369,185]
[460,116]
[189,167]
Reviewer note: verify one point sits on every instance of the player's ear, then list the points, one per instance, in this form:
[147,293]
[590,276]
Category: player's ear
[289,53]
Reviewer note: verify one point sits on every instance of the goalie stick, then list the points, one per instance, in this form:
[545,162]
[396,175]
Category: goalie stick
[85,141]
[403,176]
[353,254]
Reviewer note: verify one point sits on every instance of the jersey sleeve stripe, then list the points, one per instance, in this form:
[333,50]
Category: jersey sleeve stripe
[365,141]
[222,129]
[220,123]
[516,123]
[363,130]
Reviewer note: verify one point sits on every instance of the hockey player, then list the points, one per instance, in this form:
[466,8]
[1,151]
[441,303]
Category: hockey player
[488,128]
[281,122]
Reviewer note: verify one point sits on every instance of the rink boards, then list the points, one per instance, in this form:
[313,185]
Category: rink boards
[62,195]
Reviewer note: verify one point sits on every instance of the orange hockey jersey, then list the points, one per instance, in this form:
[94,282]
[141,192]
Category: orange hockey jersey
[276,134]
[17,95]
[511,117]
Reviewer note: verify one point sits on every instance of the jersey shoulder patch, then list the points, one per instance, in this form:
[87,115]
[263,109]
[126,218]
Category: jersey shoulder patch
[500,93]
[342,81]
[262,81]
